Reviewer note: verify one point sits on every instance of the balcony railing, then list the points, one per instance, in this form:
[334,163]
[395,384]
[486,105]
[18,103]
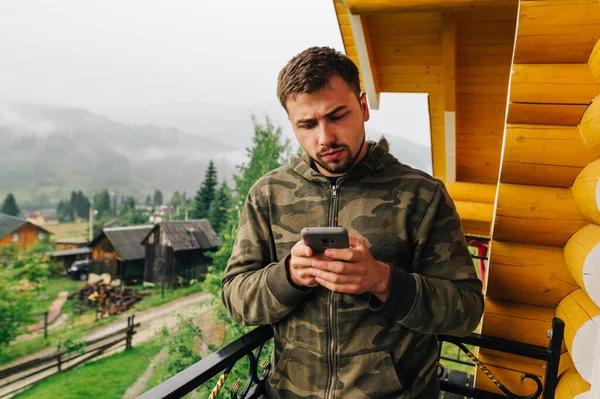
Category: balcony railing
[250,345]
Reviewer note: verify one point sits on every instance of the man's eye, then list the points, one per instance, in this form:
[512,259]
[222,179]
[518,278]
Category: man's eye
[336,117]
[307,125]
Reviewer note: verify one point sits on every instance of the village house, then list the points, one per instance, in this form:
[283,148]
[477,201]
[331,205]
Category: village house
[69,250]
[118,251]
[175,251]
[41,217]
[20,232]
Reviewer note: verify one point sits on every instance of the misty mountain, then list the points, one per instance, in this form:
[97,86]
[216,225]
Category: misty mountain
[53,150]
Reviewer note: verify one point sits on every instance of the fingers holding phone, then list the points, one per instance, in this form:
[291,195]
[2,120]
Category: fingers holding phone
[300,264]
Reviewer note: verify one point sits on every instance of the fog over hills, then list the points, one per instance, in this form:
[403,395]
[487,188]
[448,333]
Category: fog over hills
[51,150]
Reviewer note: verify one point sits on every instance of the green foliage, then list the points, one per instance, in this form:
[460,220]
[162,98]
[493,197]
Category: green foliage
[102,203]
[8,254]
[176,199]
[267,152]
[71,343]
[148,201]
[132,218]
[9,206]
[217,213]
[15,310]
[180,345]
[158,197]
[206,193]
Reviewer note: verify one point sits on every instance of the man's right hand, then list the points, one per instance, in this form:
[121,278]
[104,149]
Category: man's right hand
[300,264]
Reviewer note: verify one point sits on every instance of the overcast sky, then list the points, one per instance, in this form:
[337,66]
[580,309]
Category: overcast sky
[118,58]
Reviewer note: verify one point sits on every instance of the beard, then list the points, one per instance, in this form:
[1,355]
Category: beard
[338,166]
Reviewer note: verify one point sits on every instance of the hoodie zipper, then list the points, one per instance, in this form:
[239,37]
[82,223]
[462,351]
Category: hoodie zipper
[333,223]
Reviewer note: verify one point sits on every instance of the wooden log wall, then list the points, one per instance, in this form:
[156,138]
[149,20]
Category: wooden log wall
[545,253]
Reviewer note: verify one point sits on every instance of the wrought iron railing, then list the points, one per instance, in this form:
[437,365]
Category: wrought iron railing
[251,344]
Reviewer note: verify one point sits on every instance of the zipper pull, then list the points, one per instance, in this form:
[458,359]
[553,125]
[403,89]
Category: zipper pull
[334,194]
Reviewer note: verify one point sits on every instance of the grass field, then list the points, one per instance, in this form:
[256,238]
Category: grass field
[67,230]
[105,378]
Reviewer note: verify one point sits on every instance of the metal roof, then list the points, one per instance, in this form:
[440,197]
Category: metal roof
[70,252]
[125,240]
[185,235]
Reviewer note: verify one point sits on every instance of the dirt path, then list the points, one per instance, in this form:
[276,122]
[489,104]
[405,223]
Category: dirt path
[151,320]
[140,385]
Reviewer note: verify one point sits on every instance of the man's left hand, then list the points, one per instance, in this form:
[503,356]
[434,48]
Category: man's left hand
[353,270]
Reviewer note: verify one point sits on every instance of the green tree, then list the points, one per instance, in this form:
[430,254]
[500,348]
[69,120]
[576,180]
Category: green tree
[158,198]
[102,203]
[15,310]
[148,201]
[217,213]
[82,205]
[206,193]
[268,151]
[9,206]
[176,199]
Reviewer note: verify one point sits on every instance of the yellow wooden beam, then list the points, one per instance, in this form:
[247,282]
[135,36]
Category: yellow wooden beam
[536,215]
[544,155]
[531,274]
[379,6]
[473,192]
[449,57]
[553,84]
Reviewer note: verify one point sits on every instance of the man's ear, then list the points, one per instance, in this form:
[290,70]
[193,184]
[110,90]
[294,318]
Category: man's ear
[364,106]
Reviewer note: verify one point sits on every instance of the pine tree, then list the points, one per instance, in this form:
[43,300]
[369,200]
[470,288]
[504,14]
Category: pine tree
[268,152]
[148,201]
[217,213]
[9,206]
[158,198]
[176,199]
[206,193]
[102,203]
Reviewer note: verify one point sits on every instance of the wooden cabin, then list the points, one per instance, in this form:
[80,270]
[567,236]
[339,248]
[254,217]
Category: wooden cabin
[70,243]
[19,232]
[118,251]
[175,251]
[515,135]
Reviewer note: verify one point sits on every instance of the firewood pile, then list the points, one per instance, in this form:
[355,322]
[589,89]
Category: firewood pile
[107,299]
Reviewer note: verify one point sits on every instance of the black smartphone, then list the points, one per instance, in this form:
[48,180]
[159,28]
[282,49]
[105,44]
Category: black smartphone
[321,238]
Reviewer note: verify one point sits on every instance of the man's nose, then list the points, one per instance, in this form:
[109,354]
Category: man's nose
[326,134]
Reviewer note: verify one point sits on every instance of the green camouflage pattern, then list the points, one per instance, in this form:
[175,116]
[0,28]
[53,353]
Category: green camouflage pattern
[333,345]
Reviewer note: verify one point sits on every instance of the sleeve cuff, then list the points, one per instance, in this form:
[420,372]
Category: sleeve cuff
[282,288]
[403,291]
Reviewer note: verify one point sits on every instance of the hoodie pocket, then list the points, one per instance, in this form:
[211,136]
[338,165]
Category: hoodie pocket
[280,367]
[367,375]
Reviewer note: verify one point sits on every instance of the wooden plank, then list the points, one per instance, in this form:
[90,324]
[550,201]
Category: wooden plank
[396,59]
[476,228]
[517,321]
[463,191]
[530,274]
[545,114]
[394,6]
[476,211]
[557,31]
[449,57]
[544,155]
[536,215]
[410,87]
[553,84]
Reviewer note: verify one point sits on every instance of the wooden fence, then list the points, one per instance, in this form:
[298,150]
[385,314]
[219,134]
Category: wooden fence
[23,375]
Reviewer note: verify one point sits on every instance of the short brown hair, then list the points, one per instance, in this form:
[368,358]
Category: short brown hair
[312,69]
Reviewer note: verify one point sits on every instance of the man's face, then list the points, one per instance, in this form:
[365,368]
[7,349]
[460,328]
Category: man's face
[329,126]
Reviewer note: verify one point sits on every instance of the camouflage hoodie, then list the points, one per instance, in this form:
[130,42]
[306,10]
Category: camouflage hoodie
[332,345]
